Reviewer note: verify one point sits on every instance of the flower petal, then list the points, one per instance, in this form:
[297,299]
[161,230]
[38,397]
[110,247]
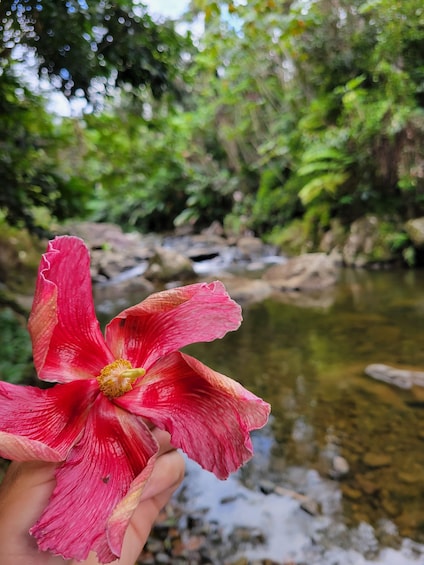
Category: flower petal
[207,414]
[40,424]
[98,478]
[66,337]
[169,320]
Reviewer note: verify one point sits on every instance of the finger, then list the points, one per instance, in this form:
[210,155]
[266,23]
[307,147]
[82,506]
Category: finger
[167,474]
[29,485]
[165,479]
[25,491]
[26,486]
[164,440]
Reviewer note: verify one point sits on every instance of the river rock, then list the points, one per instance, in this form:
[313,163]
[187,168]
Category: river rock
[339,467]
[376,460]
[367,244]
[350,492]
[415,230]
[112,251]
[105,236]
[245,290]
[402,378]
[311,271]
[181,257]
[108,264]
[111,293]
[390,507]
[409,478]
[367,484]
[197,247]
[266,486]
[250,247]
[168,265]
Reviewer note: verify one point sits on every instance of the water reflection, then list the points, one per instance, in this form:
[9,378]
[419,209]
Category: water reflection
[308,362]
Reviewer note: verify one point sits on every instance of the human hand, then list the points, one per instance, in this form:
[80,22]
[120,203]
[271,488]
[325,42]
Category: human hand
[26,490]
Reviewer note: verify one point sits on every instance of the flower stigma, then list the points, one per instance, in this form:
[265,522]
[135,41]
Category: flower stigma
[118,377]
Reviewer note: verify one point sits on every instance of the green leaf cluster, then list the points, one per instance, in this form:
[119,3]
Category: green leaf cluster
[15,362]
[85,52]
[278,114]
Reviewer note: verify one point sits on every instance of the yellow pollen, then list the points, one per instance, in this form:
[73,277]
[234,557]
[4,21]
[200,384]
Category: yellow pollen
[118,377]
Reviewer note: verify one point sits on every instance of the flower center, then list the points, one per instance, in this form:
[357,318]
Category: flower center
[118,377]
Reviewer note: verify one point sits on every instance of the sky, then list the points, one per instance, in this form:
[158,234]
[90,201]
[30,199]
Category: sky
[167,8]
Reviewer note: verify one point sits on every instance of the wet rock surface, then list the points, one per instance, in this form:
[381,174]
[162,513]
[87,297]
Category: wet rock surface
[402,378]
[252,270]
[180,539]
[167,265]
[117,256]
[284,532]
[312,271]
[192,538]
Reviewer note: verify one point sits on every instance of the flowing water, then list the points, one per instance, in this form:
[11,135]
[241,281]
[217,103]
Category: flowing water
[351,446]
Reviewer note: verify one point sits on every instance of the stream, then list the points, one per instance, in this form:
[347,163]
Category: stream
[350,446]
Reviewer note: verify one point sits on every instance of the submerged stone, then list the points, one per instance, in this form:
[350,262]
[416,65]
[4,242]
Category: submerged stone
[376,460]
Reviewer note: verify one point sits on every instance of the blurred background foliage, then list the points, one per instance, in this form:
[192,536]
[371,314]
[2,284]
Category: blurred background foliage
[278,113]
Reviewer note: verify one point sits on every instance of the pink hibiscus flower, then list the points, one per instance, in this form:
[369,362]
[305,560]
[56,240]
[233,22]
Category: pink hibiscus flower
[93,422]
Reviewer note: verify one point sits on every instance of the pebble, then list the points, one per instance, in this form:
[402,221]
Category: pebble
[351,493]
[197,542]
[409,478]
[339,467]
[375,460]
[367,485]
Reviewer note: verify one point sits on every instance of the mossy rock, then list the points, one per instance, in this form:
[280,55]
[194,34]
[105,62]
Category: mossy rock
[415,230]
[293,239]
[370,242]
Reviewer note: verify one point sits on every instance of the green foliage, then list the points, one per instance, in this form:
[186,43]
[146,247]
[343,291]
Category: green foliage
[274,203]
[293,112]
[85,51]
[32,174]
[208,196]
[295,238]
[285,113]
[86,48]
[150,175]
[324,169]
[15,361]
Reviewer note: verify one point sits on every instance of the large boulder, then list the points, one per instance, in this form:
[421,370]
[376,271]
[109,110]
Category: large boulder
[415,230]
[114,296]
[103,236]
[112,251]
[402,378]
[368,243]
[250,247]
[197,247]
[245,290]
[311,271]
[167,265]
